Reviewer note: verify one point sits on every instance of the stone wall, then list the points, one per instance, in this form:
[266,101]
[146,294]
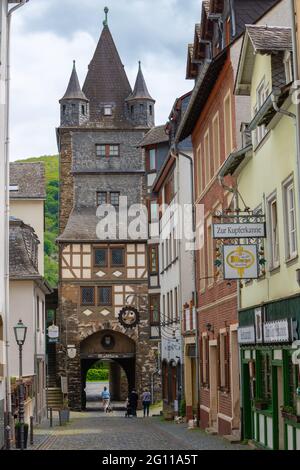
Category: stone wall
[65,178]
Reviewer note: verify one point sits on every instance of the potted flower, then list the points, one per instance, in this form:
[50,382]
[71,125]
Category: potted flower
[18,434]
[260,404]
[289,412]
[64,412]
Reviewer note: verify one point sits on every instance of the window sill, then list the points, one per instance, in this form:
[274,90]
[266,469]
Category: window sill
[292,260]
[274,269]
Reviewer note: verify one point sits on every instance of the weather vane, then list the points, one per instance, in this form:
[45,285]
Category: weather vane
[106,10]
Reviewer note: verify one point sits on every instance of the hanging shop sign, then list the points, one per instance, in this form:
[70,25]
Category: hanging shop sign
[240,230]
[240,262]
[277,331]
[53,333]
[129,317]
[246,335]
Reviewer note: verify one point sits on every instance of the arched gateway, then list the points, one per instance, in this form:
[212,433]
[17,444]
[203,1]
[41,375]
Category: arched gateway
[119,350]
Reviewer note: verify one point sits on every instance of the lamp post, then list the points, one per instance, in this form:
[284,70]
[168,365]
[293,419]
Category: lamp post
[20,334]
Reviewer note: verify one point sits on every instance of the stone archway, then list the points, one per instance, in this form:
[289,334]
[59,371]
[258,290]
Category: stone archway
[108,345]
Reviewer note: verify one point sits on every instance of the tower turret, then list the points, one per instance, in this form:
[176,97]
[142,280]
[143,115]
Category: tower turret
[140,104]
[74,105]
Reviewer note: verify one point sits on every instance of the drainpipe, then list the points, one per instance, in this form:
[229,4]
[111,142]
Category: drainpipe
[176,152]
[6,211]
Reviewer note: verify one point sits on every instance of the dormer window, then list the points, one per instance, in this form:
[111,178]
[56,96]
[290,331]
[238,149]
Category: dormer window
[287,61]
[107,110]
[152,159]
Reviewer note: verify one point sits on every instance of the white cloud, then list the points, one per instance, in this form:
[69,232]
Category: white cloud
[42,62]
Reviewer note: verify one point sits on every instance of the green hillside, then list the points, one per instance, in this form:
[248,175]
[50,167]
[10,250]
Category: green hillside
[51,215]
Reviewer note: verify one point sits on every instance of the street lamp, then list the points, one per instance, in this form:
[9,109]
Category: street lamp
[20,331]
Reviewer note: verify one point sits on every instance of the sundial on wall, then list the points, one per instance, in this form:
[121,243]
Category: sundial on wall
[129,317]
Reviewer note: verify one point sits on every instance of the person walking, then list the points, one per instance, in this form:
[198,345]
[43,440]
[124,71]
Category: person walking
[133,401]
[146,401]
[105,396]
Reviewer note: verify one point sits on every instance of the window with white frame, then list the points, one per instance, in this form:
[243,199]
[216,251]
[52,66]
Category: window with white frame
[202,269]
[273,231]
[288,68]
[207,158]
[227,124]
[107,110]
[262,93]
[290,219]
[216,143]
[174,245]
[198,171]
[152,159]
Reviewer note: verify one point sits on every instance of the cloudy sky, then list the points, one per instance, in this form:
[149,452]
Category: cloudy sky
[48,34]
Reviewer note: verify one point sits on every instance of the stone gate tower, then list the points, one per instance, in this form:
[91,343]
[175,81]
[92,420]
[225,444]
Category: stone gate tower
[101,127]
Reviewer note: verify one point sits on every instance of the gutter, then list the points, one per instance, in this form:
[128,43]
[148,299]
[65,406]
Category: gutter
[227,165]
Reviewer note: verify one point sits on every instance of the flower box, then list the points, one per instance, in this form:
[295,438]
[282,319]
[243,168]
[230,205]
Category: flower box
[290,416]
[261,405]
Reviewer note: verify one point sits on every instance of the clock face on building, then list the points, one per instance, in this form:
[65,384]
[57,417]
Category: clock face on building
[129,317]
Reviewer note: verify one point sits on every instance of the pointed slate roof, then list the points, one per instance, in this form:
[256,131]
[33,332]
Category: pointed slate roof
[74,91]
[106,81]
[140,89]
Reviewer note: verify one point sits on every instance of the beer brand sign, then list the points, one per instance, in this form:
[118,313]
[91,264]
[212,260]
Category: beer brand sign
[240,261]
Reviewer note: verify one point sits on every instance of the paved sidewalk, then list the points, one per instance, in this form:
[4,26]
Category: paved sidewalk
[95,431]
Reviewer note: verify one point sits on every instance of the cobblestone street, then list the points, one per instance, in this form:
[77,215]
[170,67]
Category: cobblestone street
[94,431]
